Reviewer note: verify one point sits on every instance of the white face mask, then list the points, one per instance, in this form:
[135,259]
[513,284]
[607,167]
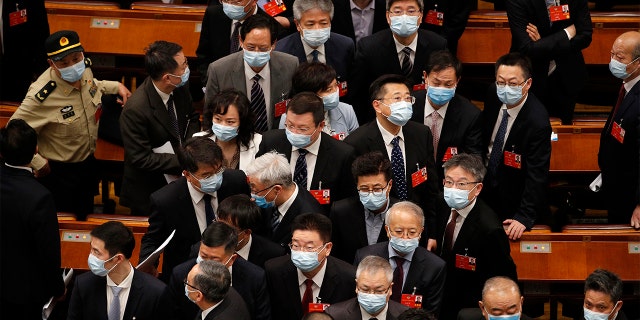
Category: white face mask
[592,315]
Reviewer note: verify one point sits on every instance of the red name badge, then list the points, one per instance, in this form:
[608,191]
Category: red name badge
[281,107]
[413,301]
[434,17]
[323,195]
[513,159]
[419,177]
[617,132]
[451,151]
[318,307]
[339,136]
[17,17]
[342,87]
[559,13]
[275,7]
[465,262]
[418,87]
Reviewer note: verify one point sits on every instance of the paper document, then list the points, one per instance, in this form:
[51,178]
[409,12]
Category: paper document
[48,307]
[596,184]
[155,255]
[166,148]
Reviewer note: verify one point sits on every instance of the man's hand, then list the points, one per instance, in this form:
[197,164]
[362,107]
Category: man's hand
[124,93]
[572,31]
[432,245]
[533,33]
[44,171]
[515,229]
[635,217]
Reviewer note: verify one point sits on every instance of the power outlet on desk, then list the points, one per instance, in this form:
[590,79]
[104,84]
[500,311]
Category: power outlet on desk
[535,247]
[634,247]
[71,236]
[105,23]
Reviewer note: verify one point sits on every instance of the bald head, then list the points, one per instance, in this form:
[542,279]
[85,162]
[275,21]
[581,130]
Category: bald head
[626,50]
[500,296]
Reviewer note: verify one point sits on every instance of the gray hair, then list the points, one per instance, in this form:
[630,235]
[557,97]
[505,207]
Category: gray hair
[501,284]
[271,168]
[468,162]
[213,280]
[391,2]
[405,206]
[302,6]
[373,264]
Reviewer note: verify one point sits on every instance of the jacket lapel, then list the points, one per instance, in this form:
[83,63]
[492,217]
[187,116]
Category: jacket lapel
[160,111]
[134,296]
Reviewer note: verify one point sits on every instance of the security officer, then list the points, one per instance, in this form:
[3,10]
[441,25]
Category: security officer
[64,105]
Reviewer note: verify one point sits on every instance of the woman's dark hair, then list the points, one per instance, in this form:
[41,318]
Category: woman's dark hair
[220,103]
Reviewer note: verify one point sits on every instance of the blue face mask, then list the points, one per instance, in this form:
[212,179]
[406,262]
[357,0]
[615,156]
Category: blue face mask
[256,59]
[505,317]
[457,198]
[373,202]
[299,140]
[404,246]
[183,78]
[72,73]
[372,303]
[97,266]
[306,261]
[591,315]
[404,25]
[619,69]
[224,133]
[316,37]
[440,95]
[401,113]
[331,101]
[261,201]
[210,184]
[187,291]
[510,95]
[234,12]
[199,259]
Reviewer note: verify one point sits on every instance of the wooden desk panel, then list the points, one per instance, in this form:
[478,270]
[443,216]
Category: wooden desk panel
[576,148]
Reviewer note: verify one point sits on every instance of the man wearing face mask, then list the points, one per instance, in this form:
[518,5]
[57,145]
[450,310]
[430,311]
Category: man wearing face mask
[188,204]
[318,161]
[114,289]
[309,275]
[415,270]
[374,278]
[263,75]
[402,49]
[314,41]
[517,147]
[603,296]
[501,300]
[157,119]
[619,146]
[473,242]
[454,121]
[409,146]
[358,221]
[64,107]
[218,243]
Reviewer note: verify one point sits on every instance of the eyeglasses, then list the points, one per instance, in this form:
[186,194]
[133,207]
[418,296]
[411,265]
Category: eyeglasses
[265,189]
[377,191]
[378,291]
[296,247]
[300,130]
[235,2]
[410,99]
[459,185]
[220,171]
[188,285]
[511,85]
[399,12]
[399,233]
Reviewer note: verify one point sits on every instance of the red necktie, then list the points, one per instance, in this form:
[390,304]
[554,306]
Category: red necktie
[621,95]
[398,278]
[448,233]
[307,297]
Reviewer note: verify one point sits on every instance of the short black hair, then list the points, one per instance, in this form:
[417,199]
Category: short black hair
[416,314]
[240,211]
[371,164]
[391,2]
[199,150]
[117,238]
[18,142]
[313,222]
[305,102]
[605,281]
[317,315]
[258,21]
[158,58]
[515,59]
[376,88]
[220,234]
[313,77]
[220,103]
[442,59]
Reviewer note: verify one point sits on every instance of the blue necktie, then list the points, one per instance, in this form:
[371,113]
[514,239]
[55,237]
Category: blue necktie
[274,219]
[208,209]
[300,172]
[114,308]
[397,167]
[314,53]
[498,143]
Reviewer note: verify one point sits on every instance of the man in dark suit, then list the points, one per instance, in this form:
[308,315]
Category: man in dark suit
[374,277]
[257,71]
[188,204]
[516,135]
[415,270]
[554,42]
[618,154]
[28,210]
[403,49]
[208,285]
[500,297]
[154,123]
[310,275]
[474,244]
[358,221]
[314,41]
[114,289]
[454,121]
[218,244]
[360,18]
[318,161]
[281,199]
[408,144]
[603,296]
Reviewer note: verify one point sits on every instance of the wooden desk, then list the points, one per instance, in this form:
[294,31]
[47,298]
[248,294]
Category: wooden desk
[576,149]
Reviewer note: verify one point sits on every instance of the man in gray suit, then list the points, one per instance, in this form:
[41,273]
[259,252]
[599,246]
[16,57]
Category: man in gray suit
[262,74]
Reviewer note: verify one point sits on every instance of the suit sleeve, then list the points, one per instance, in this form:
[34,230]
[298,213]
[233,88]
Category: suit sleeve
[473,137]
[432,191]
[359,80]
[435,291]
[262,302]
[581,19]
[205,45]
[498,256]
[75,303]
[157,231]
[45,229]
[212,85]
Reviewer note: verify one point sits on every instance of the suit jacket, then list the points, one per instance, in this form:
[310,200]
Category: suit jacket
[333,163]
[231,308]
[342,21]
[263,249]
[338,285]
[520,194]
[462,127]
[426,274]
[228,72]
[246,278]
[483,238]
[172,208]
[349,232]
[376,55]
[144,124]
[456,14]
[149,298]
[339,52]
[350,310]
[419,150]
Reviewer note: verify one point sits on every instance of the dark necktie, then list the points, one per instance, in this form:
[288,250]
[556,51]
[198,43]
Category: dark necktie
[307,297]
[258,105]
[275,216]
[314,53]
[208,209]
[407,66]
[397,167]
[398,277]
[448,232]
[435,117]
[173,121]
[300,172]
[498,142]
[114,308]
[235,38]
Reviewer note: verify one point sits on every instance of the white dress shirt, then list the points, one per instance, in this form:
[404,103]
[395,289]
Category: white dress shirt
[311,157]
[265,84]
[197,199]
[124,292]
[317,282]
[513,113]
[387,137]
